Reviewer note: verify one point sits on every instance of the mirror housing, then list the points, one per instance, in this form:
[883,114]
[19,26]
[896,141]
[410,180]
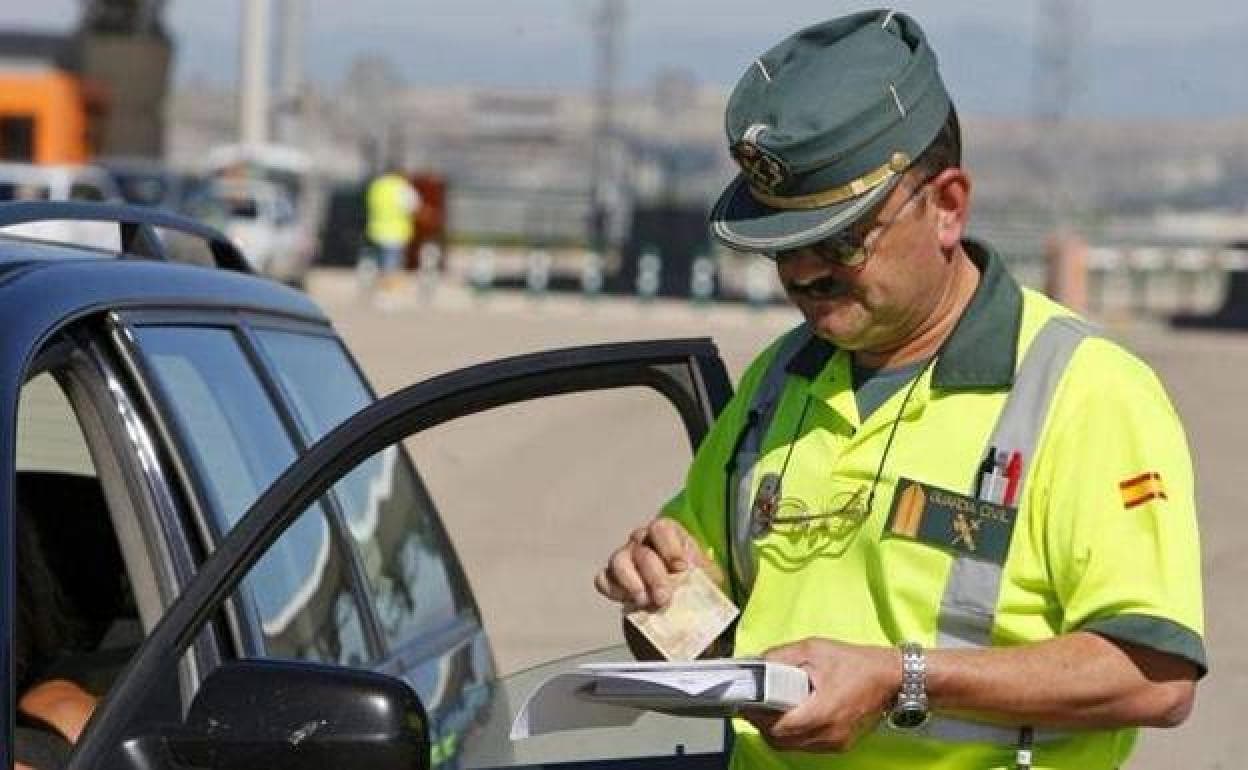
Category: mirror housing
[277,715]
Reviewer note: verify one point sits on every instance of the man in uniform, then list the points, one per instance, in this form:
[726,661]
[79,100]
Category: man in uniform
[967,515]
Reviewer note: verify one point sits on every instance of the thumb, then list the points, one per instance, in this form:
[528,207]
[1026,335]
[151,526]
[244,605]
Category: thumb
[792,654]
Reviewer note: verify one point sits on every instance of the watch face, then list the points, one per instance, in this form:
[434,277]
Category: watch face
[907,717]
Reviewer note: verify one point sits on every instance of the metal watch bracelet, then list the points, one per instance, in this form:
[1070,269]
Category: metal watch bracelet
[910,709]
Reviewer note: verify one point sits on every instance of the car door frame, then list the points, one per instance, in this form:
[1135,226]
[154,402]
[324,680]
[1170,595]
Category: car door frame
[377,426]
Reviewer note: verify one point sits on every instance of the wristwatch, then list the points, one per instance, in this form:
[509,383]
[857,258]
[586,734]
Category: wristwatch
[909,711]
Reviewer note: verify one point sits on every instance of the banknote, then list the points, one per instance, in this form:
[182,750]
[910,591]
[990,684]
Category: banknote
[697,614]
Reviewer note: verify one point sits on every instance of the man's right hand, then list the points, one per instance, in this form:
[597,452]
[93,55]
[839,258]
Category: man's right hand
[639,573]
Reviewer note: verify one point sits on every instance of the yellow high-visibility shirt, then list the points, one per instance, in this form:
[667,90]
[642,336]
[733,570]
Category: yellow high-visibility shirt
[391,201]
[1105,538]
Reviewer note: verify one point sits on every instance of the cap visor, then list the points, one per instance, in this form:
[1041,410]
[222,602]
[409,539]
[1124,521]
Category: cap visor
[741,222]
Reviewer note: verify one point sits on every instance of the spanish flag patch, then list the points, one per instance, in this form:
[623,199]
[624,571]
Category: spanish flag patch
[1140,489]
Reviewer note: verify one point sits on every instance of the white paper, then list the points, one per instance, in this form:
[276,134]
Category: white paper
[615,694]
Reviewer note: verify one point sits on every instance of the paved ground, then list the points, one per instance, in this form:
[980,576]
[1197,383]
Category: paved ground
[536,495]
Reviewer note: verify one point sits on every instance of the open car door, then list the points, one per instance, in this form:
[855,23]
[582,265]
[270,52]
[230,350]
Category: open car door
[263,713]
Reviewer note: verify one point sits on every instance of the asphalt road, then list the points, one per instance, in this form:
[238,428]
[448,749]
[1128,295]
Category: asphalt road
[536,495]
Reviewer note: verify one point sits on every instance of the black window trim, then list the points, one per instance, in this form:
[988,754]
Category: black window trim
[265,368]
[243,622]
[467,621]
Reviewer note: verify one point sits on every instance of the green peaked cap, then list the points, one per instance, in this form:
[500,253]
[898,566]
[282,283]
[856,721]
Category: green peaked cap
[822,126]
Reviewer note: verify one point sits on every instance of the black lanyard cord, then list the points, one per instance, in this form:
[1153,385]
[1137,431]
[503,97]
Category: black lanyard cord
[892,433]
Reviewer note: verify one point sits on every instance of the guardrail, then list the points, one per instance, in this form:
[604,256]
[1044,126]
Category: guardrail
[1121,281]
[1159,281]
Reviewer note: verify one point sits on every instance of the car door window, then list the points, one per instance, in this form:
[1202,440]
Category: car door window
[86,600]
[301,590]
[415,586]
[467,722]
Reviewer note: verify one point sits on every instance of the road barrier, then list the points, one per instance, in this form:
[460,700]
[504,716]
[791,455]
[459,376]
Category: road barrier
[537,276]
[481,274]
[649,270]
[1152,280]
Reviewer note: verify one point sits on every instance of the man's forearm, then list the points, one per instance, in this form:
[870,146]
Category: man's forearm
[1079,680]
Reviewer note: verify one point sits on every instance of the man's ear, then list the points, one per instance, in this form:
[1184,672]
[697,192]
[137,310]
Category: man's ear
[952,200]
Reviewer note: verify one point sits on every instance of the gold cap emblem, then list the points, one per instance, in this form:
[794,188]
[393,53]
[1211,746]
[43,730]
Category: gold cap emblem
[766,171]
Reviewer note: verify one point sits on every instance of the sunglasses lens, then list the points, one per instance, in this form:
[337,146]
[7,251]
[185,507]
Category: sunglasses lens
[841,249]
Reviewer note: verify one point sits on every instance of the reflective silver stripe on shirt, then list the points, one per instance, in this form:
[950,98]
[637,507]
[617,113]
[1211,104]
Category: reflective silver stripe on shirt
[964,731]
[762,410]
[970,599]
[969,602]
[968,607]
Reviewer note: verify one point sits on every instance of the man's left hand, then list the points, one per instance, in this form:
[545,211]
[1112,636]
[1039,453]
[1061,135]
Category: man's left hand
[851,687]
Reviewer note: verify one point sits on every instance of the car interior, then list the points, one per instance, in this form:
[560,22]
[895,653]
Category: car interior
[59,496]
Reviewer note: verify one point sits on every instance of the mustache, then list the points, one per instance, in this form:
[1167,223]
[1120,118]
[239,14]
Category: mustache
[824,287]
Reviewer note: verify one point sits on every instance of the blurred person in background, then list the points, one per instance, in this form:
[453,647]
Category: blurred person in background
[967,515]
[392,203]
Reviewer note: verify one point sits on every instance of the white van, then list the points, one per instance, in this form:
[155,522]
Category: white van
[261,220]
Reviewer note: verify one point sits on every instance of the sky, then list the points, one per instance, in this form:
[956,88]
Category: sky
[1137,58]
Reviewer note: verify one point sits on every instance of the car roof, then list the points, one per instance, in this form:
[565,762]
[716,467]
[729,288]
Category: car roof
[44,284]
[45,280]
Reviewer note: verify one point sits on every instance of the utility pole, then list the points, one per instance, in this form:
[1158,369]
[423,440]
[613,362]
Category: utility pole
[253,73]
[290,74]
[1057,78]
[606,22]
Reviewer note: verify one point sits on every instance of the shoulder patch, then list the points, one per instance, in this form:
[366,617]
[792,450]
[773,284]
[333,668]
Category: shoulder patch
[1140,489]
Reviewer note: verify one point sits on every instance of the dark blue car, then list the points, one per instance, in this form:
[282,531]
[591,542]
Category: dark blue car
[258,575]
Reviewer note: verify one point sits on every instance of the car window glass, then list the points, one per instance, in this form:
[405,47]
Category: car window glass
[48,436]
[238,445]
[537,494]
[387,510]
[68,554]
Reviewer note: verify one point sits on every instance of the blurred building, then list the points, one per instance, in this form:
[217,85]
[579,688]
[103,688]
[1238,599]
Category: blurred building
[49,113]
[125,51]
[518,161]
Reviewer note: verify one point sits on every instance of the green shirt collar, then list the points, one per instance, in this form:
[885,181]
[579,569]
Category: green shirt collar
[981,351]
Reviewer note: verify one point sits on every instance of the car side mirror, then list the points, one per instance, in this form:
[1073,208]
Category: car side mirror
[275,715]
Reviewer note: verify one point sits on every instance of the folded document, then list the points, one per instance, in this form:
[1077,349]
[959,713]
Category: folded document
[615,694]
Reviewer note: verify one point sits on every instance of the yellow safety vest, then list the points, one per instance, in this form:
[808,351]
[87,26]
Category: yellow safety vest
[391,201]
[1109,478]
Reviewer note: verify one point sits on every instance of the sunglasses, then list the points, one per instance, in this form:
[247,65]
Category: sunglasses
[851,248]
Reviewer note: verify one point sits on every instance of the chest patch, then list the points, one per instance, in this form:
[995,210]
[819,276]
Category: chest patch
[952,521]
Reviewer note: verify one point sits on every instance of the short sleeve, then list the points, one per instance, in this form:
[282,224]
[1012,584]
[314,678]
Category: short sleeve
[1117,493]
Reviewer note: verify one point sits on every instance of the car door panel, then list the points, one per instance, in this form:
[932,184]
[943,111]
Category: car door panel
[688,373]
